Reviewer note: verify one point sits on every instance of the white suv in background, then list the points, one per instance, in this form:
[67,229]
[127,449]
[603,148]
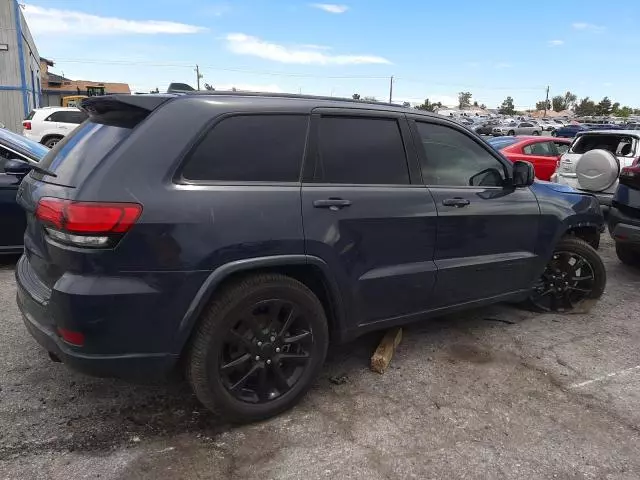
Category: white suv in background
[49,125]
[594,161]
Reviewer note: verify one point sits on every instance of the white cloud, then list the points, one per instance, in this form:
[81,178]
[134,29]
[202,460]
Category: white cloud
[587,26]
[247,45]
[330,7]
[52,20]
[555,43]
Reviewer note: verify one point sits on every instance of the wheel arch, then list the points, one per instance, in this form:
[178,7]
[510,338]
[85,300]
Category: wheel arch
[311,271]
[48,136]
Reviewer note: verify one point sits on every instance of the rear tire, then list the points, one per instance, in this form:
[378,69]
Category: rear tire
[628,255]
[575,274]
[511,133]
[536,133]
[554,133]
[51,142]
[259,346]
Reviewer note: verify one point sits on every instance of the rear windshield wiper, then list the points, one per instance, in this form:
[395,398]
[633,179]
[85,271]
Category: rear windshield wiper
[42,170]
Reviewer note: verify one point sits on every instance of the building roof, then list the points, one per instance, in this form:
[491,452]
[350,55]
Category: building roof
[47,61]
[54,78]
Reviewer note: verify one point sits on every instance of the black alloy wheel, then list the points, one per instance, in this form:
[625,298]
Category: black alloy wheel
[258,348]
[266,352]
[574,274]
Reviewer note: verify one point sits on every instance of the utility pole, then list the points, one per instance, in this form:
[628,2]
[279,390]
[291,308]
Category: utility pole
[198,76]
[391,89]
[546,102]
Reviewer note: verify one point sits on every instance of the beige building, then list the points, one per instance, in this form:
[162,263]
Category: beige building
[55,87]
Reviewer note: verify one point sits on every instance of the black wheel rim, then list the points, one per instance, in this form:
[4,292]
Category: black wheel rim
[568,279]
[266,351]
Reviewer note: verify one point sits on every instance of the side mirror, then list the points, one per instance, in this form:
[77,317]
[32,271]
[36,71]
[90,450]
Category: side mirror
[16,167]
[523,174]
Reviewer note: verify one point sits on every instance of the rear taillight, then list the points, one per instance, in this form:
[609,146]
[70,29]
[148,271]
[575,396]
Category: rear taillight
[72,337]
[88,224]
[630,176]
[26,125]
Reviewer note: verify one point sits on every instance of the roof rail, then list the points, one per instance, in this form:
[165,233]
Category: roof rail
[287,95]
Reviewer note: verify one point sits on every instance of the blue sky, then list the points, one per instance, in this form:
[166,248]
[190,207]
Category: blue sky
[433,49]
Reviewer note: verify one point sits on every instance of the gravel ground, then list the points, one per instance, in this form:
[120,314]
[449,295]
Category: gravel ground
[494,393]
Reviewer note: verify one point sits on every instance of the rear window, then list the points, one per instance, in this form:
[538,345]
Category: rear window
[77,154]
[619,145]
[31,114]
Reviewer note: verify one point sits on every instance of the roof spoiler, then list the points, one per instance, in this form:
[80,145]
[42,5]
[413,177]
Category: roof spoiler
[122,110]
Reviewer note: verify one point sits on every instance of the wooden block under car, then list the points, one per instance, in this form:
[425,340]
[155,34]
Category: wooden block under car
[384,353]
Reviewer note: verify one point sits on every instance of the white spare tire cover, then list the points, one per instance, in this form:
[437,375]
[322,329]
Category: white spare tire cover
[597,170]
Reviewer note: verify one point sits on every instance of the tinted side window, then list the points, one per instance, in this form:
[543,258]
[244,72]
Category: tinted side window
[361,151]
[250,148]
[454,159]
[71,117]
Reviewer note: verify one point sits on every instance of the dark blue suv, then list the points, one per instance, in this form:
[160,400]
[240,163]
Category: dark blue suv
[238,234]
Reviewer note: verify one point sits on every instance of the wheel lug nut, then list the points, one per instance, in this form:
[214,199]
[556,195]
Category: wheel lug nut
[259,344]
[268,362]
[277,350]
[257,357]
[273,339]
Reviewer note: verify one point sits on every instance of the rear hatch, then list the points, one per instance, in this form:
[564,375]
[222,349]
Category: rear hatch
[624,147]
[111,121]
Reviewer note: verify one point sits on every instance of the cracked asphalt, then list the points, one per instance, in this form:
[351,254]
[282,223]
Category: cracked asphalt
[492,393]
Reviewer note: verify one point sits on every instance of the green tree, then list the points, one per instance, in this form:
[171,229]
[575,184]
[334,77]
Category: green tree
[428,106]
[615,108]
[569,101]
[558,103]
[370,99]
[507,107]
[356,96]
[585,107]
[475,104]
[464,100]
[604,107]
[625,111]
[208,87]
[483,106]
[543,105]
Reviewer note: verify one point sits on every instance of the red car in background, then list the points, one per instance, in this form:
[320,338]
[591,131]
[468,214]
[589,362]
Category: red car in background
[542,152]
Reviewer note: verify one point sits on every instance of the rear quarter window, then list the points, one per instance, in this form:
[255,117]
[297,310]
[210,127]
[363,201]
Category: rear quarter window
[250,148]
[619,145]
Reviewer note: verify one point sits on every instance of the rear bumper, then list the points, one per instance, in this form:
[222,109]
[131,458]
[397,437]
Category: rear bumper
[623,228]
[116,346]
[604,198]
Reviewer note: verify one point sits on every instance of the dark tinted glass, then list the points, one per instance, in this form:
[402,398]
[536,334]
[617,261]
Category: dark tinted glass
[79,153]
[454,159]
[544,149]
[250,148]
[68,117]
[361,151]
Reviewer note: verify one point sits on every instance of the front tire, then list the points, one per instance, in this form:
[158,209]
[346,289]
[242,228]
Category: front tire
[554,133]
[536,133]
[260,345]
[511,133]
[628,255]
[574,274]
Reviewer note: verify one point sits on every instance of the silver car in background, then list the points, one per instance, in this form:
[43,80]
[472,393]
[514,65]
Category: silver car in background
[517,128]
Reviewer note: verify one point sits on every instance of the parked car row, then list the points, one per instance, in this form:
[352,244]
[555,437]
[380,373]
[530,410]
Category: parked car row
[148,248]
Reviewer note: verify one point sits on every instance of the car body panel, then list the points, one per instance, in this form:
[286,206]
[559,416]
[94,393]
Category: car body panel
[518,128]
[14,147]
[566,171]
[44,125]
[545,164]
[395,254]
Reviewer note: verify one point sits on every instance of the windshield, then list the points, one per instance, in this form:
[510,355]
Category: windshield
[501,142]
[33,149]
